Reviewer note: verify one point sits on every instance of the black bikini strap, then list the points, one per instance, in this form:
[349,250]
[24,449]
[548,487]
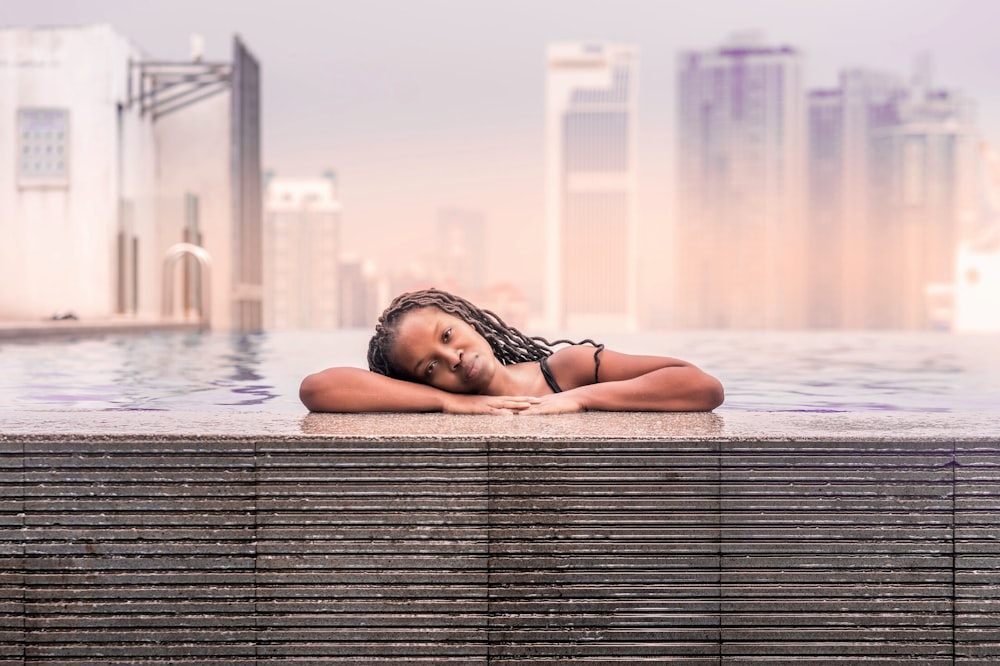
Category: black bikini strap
[547,374]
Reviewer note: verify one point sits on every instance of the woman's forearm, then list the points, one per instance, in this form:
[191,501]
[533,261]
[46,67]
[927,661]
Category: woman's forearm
[357,390]
[674,389]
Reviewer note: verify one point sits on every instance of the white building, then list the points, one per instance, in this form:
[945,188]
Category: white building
[977,287]
[118,158]
[301,254]
[591,272]
[977,266]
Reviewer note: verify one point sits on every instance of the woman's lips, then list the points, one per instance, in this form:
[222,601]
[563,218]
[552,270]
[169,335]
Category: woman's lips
[473,369]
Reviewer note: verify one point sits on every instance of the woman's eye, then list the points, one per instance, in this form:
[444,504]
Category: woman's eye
[430,368]
[447,335]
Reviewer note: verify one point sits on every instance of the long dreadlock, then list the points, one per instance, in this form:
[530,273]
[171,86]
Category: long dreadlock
[509,344]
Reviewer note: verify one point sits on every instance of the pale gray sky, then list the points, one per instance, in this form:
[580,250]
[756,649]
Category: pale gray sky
[422,104]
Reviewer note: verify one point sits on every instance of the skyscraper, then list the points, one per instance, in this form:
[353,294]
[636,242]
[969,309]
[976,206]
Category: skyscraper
[891,179]
[740,186]
[849,243]
[461,251]
[591,186]
[928,161]
[301,254]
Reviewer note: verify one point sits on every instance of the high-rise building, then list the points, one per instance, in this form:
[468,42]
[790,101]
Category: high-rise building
[363,295]
[740,187]
[848,242]
[891,184]
[927,164]
[301,248]
[461,251]
[591,186]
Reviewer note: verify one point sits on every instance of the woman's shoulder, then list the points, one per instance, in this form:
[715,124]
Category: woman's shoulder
[574,365]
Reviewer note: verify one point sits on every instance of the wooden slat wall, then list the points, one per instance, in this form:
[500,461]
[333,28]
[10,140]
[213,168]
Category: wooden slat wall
[837,550]
[977,554]
[604,552]
[126,550]
[11,552]
[372,551]
[139,549]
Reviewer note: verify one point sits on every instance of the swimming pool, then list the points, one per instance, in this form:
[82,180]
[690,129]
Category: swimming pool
[167,493]
[762,371]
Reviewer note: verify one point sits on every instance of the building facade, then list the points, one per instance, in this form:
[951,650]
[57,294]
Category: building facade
[977,285]
[301,254]
[112,148]
[891,184]
[739,237]
[927,160]
[848,236]
[977,265]
[591,262]
[460,250]
[363,293]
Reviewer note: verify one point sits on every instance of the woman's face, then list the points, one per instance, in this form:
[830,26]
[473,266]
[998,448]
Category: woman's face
[436,348]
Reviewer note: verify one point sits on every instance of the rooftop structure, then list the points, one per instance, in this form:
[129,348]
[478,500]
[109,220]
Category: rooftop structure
[119,158]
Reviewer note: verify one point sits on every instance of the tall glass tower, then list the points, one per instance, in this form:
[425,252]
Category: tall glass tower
[740,186]
[591,187]
[850,245]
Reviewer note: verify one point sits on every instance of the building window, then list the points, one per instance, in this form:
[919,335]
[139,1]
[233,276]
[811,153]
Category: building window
[43,150]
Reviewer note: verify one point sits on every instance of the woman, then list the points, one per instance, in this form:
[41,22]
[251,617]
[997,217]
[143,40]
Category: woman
[435,352]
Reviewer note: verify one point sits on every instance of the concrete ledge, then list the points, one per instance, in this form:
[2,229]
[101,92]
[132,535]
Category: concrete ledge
[601,426]
[484,547]
[46,330]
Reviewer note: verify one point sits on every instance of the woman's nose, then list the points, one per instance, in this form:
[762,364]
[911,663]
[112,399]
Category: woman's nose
[456,358]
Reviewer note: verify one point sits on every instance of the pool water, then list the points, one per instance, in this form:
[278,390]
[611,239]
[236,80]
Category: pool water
[762,371]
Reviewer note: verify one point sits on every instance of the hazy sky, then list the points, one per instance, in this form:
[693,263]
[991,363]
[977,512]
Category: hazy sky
[423,104]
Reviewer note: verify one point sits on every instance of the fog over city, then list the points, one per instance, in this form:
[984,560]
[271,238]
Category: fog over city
[440,104]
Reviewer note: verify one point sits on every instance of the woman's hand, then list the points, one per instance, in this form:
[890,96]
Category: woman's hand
[463,403]
[555,403]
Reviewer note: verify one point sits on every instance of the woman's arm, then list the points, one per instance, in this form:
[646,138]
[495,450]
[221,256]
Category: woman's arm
[628,383]
[357,390]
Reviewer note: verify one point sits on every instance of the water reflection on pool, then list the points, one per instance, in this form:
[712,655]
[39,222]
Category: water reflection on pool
[762,371]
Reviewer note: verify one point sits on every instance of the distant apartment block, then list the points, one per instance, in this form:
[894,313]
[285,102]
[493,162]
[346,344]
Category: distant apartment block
[301,254]
[740,187]
[364,294]
[891,184]
[461,251]
[114,158]
[590,129]
[851,278]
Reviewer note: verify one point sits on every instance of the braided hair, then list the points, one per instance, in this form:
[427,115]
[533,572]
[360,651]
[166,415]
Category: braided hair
[509,344]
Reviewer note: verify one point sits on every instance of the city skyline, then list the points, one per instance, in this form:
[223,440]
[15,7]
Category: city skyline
[443,106]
